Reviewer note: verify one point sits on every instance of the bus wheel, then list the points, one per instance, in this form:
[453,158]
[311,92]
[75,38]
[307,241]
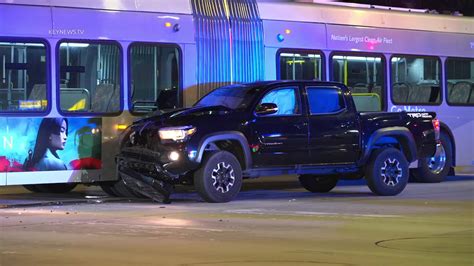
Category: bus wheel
[107,188]
[436,168]
[51,188]
[318,184]
[32,188]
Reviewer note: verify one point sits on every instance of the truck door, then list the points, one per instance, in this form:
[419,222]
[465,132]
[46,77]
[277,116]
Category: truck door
[333,127]
[282,136]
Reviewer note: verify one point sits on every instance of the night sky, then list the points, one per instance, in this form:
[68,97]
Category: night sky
[465,7]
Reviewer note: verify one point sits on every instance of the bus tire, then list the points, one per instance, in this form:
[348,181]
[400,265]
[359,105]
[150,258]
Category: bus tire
[107,188]
[387,172]
[318,184]
[220,177]
[55,188]
[32,188]
[435,169]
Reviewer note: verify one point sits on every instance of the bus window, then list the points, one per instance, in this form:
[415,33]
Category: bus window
[415,80]
[300,65]
[155,77]
[23,76]
[89,77]
[460,81]
[364,76]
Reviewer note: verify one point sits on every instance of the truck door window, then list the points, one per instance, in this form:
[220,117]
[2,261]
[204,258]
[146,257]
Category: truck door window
[325,100]
[286,99]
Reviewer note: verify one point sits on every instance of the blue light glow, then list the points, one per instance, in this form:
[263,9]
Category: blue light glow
[280,37]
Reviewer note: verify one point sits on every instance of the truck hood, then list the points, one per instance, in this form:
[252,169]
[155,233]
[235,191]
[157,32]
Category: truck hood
[177,117]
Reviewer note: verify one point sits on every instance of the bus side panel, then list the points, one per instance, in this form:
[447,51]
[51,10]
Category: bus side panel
[462,126]
[25,21]
[51,150]
[397,41]
[285,34]
[270,61]
[190,93]
[101,24]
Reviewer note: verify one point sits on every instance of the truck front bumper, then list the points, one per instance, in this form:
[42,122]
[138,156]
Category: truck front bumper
[151,173]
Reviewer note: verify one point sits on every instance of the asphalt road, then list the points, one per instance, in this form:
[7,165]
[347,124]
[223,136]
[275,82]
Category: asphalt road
[272,222]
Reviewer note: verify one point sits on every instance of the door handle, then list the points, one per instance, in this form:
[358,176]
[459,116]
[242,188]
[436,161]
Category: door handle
[346,125]
[300,125]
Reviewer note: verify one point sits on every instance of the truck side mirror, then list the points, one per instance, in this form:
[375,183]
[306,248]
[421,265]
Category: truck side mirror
[266,109]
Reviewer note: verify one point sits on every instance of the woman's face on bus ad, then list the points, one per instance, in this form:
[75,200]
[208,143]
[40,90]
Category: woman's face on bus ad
[57,141]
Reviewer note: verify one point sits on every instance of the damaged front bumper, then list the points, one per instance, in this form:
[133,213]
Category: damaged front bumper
[150,173]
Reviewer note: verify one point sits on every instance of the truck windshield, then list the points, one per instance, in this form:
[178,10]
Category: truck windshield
[233,97]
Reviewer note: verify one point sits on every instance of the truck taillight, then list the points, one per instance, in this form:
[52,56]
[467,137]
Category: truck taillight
[436,128]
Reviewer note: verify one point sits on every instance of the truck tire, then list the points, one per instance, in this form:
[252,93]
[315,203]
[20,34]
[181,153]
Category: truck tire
[387,172]
[318,184]
[220,177]
[435,169]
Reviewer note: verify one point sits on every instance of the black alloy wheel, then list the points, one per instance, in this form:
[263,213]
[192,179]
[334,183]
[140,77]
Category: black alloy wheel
[387,172]
[220,177]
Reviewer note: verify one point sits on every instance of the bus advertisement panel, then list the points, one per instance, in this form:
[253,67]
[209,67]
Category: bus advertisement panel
[49,144]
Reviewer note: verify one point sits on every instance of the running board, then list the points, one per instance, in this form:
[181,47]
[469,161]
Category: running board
[326,169]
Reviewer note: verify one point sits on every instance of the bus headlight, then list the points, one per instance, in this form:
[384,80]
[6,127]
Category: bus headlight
[176,133]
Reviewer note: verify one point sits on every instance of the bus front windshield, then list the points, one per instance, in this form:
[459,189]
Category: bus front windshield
[233,97]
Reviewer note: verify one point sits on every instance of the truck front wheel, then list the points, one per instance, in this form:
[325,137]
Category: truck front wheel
[387,172]
[220,177]
[318,184]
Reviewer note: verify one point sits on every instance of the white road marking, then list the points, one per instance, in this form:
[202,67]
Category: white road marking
[306,213]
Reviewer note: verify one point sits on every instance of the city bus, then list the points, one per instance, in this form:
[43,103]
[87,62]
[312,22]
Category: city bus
[73,76]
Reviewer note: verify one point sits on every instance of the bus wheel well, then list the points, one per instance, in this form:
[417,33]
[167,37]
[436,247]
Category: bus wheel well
[445,130]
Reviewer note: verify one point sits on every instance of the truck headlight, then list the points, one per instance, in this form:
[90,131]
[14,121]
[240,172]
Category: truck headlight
[176,133]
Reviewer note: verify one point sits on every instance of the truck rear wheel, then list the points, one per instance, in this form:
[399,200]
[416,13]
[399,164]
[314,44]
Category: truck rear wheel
[435,169]
[318,184]
[387,172]
[220,177]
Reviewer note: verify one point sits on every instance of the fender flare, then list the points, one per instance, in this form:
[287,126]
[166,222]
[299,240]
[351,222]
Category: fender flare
[226,135]
[450,134]
[408,146]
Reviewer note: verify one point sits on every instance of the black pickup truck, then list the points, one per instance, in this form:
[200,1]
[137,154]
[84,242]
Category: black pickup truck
[307,128]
